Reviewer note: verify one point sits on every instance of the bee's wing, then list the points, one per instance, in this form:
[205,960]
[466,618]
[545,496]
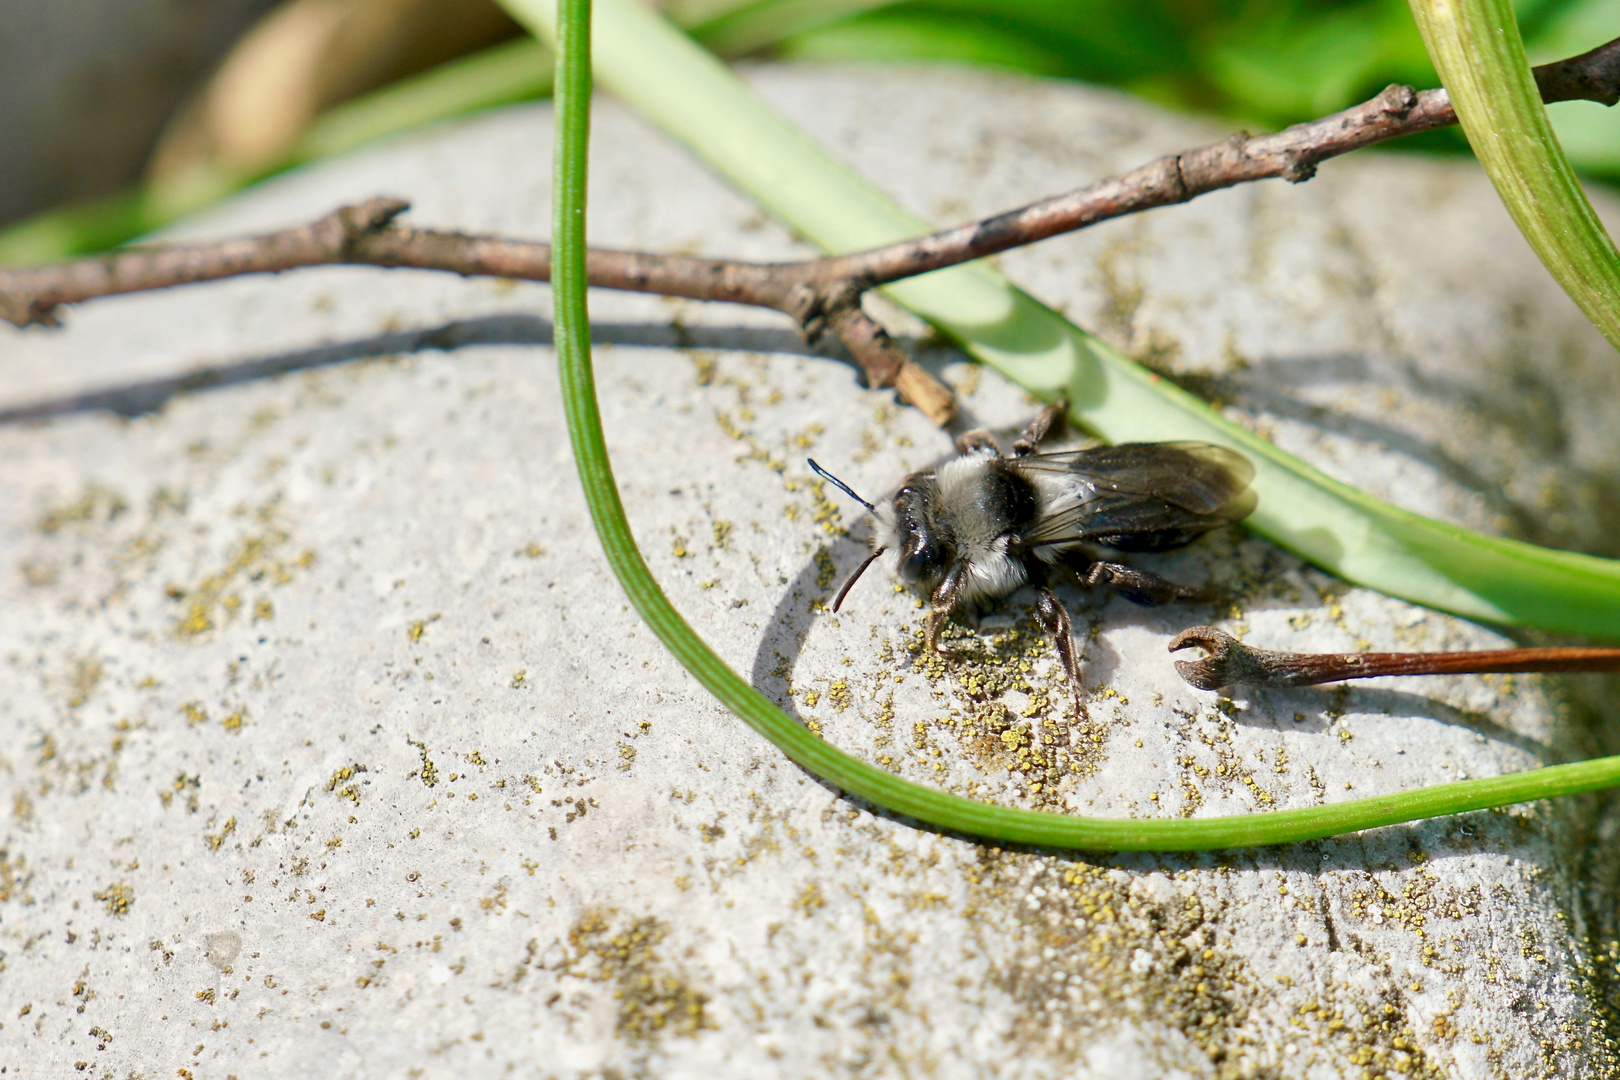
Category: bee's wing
[1142,496]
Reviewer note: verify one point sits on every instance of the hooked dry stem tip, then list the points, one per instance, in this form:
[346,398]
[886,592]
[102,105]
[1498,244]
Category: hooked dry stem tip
[1232,663]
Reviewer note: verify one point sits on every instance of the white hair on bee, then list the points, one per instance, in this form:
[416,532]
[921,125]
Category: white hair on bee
[886,536]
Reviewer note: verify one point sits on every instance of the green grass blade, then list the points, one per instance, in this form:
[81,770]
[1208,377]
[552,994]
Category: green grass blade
[935,808]
[748,27]
[899,36]
[689,93]
[78,229]
[1476,48]
[514,71]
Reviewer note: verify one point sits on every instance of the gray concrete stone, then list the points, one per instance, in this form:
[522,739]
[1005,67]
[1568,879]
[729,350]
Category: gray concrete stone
[332,748]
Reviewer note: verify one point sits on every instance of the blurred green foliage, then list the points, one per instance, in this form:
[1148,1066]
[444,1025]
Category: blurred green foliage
[1261,64]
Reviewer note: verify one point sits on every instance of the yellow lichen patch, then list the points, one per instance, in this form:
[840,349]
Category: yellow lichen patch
[118,896]
[218,838]
[825,569]
[810,899]
[1100,955]
[497,900]
[429,772]
[14,876]
[1094,946]
[96,505]
[1375,1037]
[652,1001]
[1421,898]
[343,776]
[194,713]
[530,550]
[216,598]
[706,365]
[41,572]
[418,627]
[164,500]
[182,783]
[82,683]
[1042,748]
[824,511]
[233,720]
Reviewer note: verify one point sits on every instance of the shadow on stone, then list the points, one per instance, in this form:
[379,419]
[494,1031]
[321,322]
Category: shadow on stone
[149,395]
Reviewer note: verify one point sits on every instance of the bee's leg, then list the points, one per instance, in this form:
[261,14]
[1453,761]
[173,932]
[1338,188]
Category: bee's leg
[1054,619]
[944,602]
[1137,586]
[977,441]
[1043,424]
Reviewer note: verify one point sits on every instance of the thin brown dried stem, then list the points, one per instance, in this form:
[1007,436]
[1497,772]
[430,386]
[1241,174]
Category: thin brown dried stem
[1292,154]
[366,234]
[823,295]
[1232,663]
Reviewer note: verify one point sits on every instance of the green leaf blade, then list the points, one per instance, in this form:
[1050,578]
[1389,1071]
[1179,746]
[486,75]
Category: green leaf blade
[1476,48]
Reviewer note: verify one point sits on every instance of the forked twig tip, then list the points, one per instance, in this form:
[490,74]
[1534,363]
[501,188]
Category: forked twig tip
[1225,664]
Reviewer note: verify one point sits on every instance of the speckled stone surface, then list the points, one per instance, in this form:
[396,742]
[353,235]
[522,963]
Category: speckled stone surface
[331,748]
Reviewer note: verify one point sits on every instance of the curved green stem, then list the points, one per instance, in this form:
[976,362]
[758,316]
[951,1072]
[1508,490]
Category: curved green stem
[934,808]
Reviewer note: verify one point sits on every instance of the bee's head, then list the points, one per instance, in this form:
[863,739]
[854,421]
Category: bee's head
[909,527]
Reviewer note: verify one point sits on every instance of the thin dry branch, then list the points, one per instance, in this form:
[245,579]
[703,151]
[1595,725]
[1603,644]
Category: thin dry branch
[822,295]
[1291,154]
[1232,663]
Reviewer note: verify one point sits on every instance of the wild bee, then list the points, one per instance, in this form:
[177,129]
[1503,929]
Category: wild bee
[983,525]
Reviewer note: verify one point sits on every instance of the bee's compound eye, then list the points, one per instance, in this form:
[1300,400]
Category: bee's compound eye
[924,552]
[921,564]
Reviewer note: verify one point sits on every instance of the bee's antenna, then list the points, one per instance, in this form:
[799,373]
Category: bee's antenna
[859,570]
[847,490]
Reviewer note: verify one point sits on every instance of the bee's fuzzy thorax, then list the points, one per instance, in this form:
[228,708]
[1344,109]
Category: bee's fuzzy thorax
[962,504]
[973,504]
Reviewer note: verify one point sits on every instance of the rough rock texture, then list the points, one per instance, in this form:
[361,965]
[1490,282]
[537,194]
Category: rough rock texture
[332,749]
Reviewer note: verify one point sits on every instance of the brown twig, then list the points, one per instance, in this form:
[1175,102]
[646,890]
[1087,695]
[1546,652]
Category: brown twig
[1292,154]
[366,234]
[823,295]
[1232,663]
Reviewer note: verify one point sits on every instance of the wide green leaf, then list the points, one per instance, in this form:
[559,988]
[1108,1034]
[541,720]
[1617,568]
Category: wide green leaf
[1476,48]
